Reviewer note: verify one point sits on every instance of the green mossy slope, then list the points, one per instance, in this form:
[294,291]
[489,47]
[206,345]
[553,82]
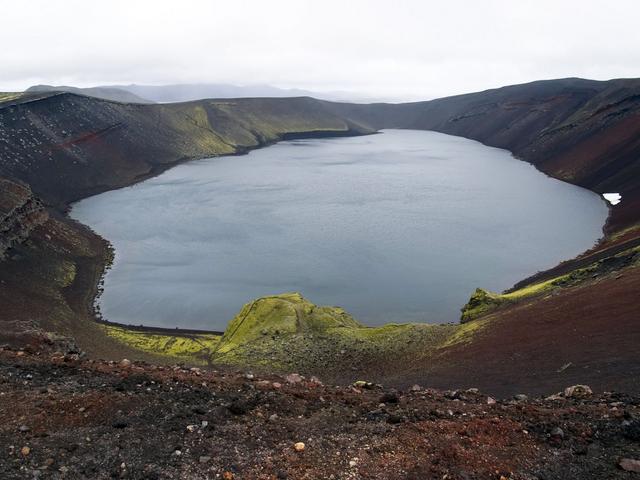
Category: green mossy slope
[194,348]
[287,332]
[283,314]
[483,302]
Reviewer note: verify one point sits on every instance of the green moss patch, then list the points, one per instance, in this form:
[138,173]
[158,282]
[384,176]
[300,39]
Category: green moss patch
[282,314]
[195,348]
[8,96]
[287,331]
[483,302]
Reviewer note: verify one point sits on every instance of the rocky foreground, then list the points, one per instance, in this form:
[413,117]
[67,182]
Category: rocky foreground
[63,416]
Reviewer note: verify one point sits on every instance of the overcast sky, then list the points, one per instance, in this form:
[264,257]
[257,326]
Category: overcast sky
[387,49]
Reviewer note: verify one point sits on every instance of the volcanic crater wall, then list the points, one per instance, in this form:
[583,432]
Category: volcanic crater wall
[20,213]
[68,146]
[582,131]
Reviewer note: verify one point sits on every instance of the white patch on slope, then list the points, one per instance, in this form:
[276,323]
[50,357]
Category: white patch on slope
[612,198]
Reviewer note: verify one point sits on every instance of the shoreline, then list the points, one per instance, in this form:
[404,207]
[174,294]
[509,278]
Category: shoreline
[93,309]
[108,251]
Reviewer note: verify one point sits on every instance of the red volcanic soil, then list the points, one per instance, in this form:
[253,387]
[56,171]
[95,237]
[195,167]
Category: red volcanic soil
[64,417]
[588,333]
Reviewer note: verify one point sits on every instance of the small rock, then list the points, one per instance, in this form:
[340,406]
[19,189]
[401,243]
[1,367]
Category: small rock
[491,401]
[25,451]
[631,430]
[294,378]
[24,428]
[363,384]
[394,419]
[273,418]
[125,363]
[389,397]
[557,433]
[299,447]
[227,476]
[353,462]
[204,459]
[249,376]
[473,391]
[521,397]
[120,424]
[578,391]
[630,465]
[239,407]
[554,397]
[276,385]
[192,428]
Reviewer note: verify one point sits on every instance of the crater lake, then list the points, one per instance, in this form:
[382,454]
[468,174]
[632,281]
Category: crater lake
[400,226]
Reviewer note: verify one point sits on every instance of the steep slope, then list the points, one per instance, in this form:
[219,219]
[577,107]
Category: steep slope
[582,131]
[20,213]
[67,146]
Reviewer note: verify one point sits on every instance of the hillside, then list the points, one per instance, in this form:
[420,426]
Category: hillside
[585,132]
[60,147]
[68,146]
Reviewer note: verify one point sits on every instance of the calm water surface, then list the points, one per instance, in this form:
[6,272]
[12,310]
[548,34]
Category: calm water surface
[400,226]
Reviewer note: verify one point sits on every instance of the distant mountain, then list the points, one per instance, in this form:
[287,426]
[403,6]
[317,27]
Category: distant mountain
[198,91]
[186,92]
[107,93]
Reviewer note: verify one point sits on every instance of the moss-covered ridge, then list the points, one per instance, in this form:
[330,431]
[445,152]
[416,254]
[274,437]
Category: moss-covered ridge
[287,313]
[287,331]
[483,302]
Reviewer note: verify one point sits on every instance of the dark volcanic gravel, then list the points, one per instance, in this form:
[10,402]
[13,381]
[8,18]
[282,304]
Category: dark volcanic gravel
[63,417]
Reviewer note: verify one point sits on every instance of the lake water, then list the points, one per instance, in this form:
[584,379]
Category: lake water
[395,227]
